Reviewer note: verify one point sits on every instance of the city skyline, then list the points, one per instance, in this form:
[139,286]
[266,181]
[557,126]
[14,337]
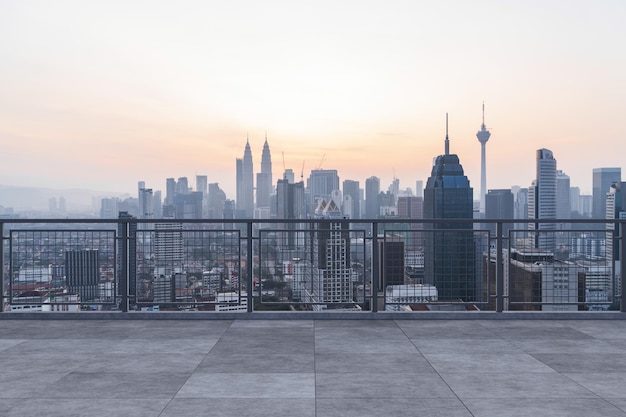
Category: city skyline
[101,96]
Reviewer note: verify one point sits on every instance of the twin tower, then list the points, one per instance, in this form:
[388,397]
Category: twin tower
[245,182]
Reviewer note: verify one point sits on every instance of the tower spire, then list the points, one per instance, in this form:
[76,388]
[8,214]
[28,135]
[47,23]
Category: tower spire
[483,125]
[483,136]
[447,140]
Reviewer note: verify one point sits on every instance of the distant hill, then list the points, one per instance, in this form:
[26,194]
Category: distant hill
[35,198]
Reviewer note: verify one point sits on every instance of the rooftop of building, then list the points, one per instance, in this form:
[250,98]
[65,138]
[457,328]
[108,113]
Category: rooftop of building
[312,367]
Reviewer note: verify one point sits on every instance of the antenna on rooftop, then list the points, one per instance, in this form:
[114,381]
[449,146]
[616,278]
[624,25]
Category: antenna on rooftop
[447,140]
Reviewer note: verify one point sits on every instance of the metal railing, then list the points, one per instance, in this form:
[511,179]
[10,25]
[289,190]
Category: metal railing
[341,265]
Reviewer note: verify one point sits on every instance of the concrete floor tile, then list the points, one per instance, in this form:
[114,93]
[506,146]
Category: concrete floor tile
[534,331]
[44,362]
[265,341]
[10,343]
[280,324]
[143,363]
[28,385]
[372,363]
[568,346]
[514,385]
[362,340]
[92,407]
[480,362]
[445,329]
[523,407]
[605,385]
[399,407]
[125,385]
[252,363]
[618,402]
[577,362]
[249,385]
[463,345]
[389,385]
[259,407]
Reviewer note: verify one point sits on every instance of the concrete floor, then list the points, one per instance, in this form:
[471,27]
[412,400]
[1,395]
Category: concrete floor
[313,368]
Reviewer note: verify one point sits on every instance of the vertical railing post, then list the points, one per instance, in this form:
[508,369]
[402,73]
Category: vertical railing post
[2,264]
[499,270]
[249,264]
[375,268]
[622,258]
[124,257]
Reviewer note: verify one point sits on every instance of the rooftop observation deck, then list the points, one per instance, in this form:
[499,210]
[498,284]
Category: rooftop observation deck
[535,321]
[311,367]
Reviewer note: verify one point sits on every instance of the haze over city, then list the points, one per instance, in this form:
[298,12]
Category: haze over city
[102,94]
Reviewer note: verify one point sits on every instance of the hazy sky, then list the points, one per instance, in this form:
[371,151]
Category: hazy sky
[101,94]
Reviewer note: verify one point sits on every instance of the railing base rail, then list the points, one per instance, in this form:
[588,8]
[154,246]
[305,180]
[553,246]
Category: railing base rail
[384,315]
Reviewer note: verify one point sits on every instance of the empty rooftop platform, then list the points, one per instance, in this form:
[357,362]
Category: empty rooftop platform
[313,367]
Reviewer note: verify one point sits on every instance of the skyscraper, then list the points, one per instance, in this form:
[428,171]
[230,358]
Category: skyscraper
[291,204]
[145,199]
[245,183]
[351,194]
[201,187]
[483,136]
[563,196]
[603,178]
[412,208]
[499,205]
[82,273]
[542,200]
[449,254]
[372,203]
[321,185]
[264,178]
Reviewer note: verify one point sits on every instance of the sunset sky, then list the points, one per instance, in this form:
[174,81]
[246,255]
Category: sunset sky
[101,94]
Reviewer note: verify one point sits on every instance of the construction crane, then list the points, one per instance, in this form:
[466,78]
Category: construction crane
[319,166]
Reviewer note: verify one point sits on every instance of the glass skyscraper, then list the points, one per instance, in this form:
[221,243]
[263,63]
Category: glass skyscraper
[449,251]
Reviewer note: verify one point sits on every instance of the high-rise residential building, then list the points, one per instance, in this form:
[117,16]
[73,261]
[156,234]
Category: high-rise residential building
[168,248]
[332,268]
[499,205]
[127,250]
[542,201]
[449,251]
[245,183]
[615,209]
[483,136]
[603,178]
[264,178]
[82,273]
[372,198]
[351,195]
